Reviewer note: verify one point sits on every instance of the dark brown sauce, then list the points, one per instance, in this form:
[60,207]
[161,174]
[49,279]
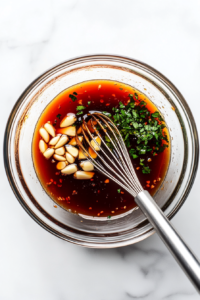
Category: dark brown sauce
[92,197]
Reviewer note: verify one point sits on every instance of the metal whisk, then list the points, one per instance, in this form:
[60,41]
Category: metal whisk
[115,163]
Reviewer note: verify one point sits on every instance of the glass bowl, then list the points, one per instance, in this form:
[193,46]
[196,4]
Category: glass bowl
[132,227]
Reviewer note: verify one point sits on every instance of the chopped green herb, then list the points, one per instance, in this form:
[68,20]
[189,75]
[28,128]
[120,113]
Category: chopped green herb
[121,89]
[119,190]
[143,103]
[133,153]
[157,115]
[72,97]
[80,107]
[75,93]
[162,148]
[89,102]
[145,169]
[136,122]
[108,217]
[79,113]
[58,116]
[121,105]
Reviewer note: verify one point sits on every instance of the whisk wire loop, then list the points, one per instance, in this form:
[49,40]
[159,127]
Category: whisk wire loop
[115,163]
[117,144]
[124,179]
[123,149]
[117,160]
[101,168]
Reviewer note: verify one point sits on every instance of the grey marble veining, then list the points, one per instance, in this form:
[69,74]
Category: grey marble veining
[36,35]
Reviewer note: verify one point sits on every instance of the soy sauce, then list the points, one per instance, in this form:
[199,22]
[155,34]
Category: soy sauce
[98,196]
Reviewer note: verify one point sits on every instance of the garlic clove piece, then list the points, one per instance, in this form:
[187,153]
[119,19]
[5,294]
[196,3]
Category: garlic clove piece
[60,151]
[86,165]
[69,169]
[73,141]
[44,134]
[71,150]
[50,129]
[42,146]
[92,153]
[59,157]
[83,175]
[48,153]
[61,165]
[70,130]
[79,131]
[62,141]
[94,145]
[81,155]
[69,158]
[54,140]
[68,120]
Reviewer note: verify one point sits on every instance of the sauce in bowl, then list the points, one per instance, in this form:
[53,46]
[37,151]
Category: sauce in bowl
[99,196]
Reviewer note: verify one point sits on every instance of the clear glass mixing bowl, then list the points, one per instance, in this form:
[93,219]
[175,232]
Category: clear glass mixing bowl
[132,227]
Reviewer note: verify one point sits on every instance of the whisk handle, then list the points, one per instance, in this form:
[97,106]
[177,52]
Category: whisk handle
[186,259]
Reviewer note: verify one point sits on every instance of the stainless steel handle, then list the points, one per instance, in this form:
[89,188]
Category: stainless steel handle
[186,259]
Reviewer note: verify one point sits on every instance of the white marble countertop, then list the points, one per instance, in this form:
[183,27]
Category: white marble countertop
[36,35]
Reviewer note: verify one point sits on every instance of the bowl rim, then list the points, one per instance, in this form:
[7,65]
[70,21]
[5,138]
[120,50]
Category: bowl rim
[80,59]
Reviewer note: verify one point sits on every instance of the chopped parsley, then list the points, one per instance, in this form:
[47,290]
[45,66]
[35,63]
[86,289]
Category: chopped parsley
[119,190]
[135,121]
[79,113]
[74,98]
[58,116]
[80,107]
[145,169]
[133,153]
[108,217]
[89,102]
[136,96]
